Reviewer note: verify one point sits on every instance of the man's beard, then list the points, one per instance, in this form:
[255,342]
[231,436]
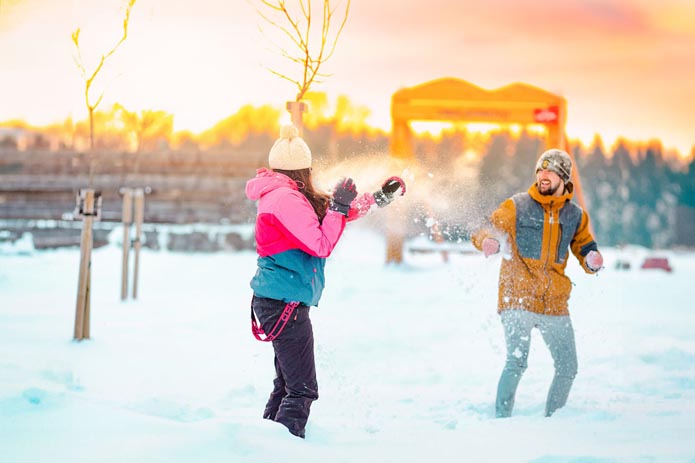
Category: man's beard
[550,191]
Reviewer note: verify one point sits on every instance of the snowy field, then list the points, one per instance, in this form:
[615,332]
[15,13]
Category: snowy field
[408,359]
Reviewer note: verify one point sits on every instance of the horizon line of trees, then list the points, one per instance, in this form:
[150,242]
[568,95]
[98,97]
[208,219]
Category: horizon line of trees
[120,129]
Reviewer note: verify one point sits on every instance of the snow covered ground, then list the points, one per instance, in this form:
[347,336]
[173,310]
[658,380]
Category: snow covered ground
[408,359]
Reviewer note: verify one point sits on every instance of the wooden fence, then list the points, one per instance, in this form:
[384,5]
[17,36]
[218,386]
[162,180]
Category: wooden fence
[182,188]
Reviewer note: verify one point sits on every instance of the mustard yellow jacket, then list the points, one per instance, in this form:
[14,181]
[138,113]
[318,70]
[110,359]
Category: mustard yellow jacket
[539,230]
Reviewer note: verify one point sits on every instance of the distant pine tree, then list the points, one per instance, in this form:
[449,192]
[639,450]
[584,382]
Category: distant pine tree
[496,169]
[687,184]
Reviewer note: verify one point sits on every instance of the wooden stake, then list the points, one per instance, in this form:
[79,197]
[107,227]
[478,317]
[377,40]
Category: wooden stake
[88,302]
[296,110]
[139,197]
[127,220]
[82,306]
[394,248]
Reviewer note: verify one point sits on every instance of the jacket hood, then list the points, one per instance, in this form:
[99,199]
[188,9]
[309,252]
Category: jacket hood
[266,181]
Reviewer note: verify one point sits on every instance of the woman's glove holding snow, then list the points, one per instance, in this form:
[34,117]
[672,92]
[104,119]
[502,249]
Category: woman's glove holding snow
[388,190]
[490,246]
[594,260]
[344,193]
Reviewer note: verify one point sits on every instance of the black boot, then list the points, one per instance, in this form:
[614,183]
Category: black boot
[294,413]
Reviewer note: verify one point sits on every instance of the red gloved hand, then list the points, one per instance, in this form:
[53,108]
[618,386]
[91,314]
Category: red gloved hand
[391,187]
[490,246]
[594,260]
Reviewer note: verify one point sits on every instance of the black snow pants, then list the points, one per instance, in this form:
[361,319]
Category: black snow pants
[295,386]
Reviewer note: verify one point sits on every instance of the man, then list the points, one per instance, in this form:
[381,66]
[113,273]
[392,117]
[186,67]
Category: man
[538,227]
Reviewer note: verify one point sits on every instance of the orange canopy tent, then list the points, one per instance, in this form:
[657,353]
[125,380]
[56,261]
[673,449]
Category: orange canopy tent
[450,99]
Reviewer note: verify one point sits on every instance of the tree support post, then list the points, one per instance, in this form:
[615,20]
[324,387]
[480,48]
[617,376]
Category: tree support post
[296,110]
[127,221]
[139,197]
[88,208]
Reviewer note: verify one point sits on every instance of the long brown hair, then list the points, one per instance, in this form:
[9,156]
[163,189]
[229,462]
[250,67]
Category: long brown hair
[318,200]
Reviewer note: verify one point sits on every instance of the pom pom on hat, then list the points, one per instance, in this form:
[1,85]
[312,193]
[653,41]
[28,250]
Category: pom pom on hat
[289,152]
[289,131]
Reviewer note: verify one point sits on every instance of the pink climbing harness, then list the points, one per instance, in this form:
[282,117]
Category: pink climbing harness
[257,330]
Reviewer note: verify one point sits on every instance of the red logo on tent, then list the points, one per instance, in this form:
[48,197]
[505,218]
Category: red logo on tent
[546,115]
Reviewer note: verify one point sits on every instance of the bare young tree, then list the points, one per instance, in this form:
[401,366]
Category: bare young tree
[312,48]
[148,127]
[90,76]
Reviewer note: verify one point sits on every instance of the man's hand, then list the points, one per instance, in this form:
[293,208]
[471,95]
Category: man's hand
[594,260]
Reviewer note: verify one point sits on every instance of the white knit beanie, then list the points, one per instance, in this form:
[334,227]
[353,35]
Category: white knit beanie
[289,152]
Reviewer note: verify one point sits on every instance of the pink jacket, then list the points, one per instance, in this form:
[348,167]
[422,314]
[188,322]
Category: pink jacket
[291,243]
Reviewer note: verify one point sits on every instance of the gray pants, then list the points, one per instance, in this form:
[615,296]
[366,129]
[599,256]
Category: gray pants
[558,335]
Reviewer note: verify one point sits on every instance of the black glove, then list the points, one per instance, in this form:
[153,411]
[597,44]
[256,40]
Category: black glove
[386,194]
[343,194]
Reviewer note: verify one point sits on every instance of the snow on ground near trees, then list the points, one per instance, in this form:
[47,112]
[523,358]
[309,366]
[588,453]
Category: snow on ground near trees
[408,359]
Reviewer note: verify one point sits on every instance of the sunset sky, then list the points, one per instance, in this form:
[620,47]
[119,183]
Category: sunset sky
[626,67]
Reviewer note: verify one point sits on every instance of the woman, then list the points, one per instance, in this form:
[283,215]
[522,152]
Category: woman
[297,228]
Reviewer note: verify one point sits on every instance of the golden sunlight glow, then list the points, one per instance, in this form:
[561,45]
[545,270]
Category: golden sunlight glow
[203,61]
[678,18]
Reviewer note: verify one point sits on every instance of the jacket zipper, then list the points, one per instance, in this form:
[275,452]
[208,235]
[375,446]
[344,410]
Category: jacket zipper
[547,257]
